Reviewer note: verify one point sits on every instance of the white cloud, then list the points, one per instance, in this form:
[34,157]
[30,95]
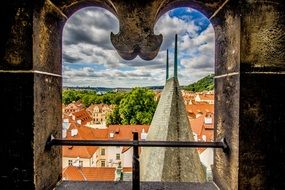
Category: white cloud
[86,42]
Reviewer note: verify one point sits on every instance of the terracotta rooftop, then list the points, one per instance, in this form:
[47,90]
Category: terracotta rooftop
[121,132]
[200,128]
[125,132]
[207,97]
[82,115]
[204,108]
[84,133]
[127,169]
[89,173]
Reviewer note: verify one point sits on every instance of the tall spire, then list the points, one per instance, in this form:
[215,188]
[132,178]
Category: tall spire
[167,65]
[175,58]
[170,123]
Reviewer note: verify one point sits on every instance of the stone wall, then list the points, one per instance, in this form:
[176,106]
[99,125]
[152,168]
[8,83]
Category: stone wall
[262,78]
[249,80]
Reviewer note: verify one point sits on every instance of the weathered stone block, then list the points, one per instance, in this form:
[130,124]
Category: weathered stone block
[263,36]
[16,39]
[47,44]
[262,132]
[47,121]
[227,39]
[225,169]
[16,130]
[31,112]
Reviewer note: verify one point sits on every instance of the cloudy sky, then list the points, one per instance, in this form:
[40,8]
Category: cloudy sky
[89,59]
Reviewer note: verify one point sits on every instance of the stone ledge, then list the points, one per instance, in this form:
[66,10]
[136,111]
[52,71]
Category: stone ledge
[87,185]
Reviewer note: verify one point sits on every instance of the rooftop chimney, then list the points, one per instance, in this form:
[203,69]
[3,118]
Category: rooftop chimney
[143,135]
[64,133]
[74,132]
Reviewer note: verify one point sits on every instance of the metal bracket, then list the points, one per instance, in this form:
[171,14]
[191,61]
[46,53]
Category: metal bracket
[49,142]
[226,148]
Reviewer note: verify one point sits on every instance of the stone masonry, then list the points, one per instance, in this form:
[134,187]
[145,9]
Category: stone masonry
[170,123]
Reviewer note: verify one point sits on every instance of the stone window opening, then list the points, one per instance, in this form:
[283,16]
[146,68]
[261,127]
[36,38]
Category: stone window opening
[248,70]
[103,149]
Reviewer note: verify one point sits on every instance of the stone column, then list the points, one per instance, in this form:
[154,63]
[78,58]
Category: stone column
[30,77]
[262,80]
[227,85]
[250,64]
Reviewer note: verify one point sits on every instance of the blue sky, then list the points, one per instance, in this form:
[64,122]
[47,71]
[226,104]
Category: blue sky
[89,59]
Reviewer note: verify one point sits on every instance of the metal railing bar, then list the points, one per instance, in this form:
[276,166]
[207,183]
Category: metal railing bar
[61,142]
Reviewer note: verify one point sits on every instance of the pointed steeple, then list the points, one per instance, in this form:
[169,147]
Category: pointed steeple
[167,65]
[175,58]
[170,123]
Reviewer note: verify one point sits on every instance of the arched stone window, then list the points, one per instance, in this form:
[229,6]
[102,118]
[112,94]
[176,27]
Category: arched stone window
[249,73]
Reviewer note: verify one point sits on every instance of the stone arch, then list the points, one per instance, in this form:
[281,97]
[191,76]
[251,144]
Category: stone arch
[137,27]
[31,87]
[205,9]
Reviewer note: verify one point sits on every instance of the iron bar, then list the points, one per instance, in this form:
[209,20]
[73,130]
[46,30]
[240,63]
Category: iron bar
[61,142]
[136,163]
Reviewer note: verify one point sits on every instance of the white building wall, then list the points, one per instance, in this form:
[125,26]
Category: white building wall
[86,162]
[207,159]
[111,156]
[127,158]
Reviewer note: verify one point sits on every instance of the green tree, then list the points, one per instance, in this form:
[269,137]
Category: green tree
[114,117]
[69,96]
[136,107]
[204,84]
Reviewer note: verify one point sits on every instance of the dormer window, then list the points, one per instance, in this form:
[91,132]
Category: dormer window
[102,152]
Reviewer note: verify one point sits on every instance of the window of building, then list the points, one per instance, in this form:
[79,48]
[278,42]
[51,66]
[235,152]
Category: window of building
[118,156]
[102,151]
[70,162]
[80,163]
[103,163]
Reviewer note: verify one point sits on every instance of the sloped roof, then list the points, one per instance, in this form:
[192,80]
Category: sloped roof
[200,107]
[125,132]
[83,115]
[84,133]
[127,169]
[89,173]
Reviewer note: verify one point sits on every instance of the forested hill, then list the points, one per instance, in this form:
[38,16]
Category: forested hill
[204,84]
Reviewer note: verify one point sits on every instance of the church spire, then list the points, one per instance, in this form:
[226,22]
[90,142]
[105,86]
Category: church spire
[175,58]
[167,65]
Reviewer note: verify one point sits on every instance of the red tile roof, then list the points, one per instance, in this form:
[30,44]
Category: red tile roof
[125,132]
[82,115]
[84,133]
[207,97]
[127,169]
[121,132]
[72,107]
[196,108]
[89,173]
[198,125]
